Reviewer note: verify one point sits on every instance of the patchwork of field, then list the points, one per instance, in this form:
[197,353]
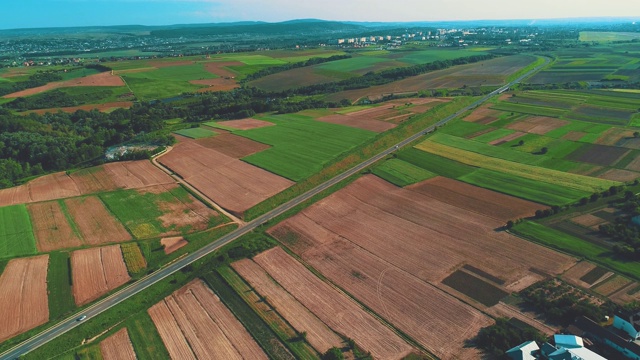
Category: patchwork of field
[97,271]
[301,146]
[96,225]
[332,307]
[485,73]
[604,282]
[52,227]
[23,295]
[111,176]
[232,145]
[194,324]
[302,320]
[117,347]
[231,183]
[102,79]
[390,247]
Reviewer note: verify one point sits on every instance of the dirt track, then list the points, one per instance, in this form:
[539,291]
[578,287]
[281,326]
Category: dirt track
[23,295]
[102,79]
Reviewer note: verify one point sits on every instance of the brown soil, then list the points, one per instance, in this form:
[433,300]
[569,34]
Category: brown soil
[318,334]
[612,285]
[483,115]
[507,138]
[172,244]
[23,295]
[574,274]
[400,298]
[193,323]
[231,183]
[574,135]
[225,82]
[588,220]
[361,122]
[106,107]
[334,308]
[93,180]
[634,165]
[476,199]
[136,174]
[246,124]
[118,347]
[94,221]
[97,271]
[182,214]
[233,145]
[620,175]
[506,311]
[539,125]
[51,228]
[102,79]
[44,188]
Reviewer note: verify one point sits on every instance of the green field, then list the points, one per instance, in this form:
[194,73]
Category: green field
[565,242]
[427,56]
[166,82]
[401,173]
[196,133]
[301,145]
[61,300]
[606,36]
[435,164]
[16,233]
[141,213]
[351,65]
[145,338]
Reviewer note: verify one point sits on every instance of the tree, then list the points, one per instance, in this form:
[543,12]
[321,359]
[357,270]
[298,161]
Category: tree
[510,224]
[521,142]
[333,354]
[636,134]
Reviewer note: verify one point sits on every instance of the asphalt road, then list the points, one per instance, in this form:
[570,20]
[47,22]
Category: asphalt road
[138,286]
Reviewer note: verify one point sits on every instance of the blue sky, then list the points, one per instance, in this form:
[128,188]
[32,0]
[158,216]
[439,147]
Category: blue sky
[54,13]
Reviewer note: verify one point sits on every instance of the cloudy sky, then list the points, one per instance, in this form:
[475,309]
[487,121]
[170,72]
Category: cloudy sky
[53,13]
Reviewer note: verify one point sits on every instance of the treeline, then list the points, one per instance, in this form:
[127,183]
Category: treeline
[276,69]
[496,339]
[383,77]
[56,99]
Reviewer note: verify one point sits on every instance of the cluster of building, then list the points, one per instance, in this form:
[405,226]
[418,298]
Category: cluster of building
[620,336]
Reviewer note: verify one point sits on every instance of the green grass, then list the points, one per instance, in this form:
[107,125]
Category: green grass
[16,232]
[401,173]
[427,56]
[463,128]
[166,82]
[352,64]
[301,146]
[61,300]
[537,191]
[606,36]
[78,73]
[582,248]
[196,133]
[145,338]
[435,164]
[529,109]
[493,135]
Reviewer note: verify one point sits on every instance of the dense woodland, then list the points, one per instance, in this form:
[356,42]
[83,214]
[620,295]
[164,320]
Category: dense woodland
[505,335]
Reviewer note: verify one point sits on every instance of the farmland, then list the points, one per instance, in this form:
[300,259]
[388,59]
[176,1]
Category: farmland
[401,173]
[52,226]
[23,295]
[59,285]
[133,258]
[97,271]
[117,346]
[16,234]
[165,82]
[196,133]
[231,183]
[94,221]
[193,323]
[382,243]
[301,145]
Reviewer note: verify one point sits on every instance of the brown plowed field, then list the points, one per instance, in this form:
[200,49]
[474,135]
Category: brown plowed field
[51,228]
[505,311]
[332,307]
[172,244]
[438,321]
[476,199]
[100,107]
[539,125]
[136,174]
[598,154]
[193,323]
[574,135]
[97,271]
[102,79]
[231,183]
[246,124]
[233,145]
[507,138]
[484,73]
[44,188]
[588,220]
[420,234]
[93,180]
[361,122]
[94,221]
[620,175]
[23,295]
[118,347]
[318,334]
[225,82]
[483,115]
[613,136]
[634,165]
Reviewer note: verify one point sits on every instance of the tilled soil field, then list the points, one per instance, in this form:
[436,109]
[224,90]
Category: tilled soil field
[232,145]
[302,320]
[539,125]
[336,310]
[136,174]
[193,323]
[94,221]
[97,271]
[172,244]
[51,228]
[23,295]
[361,122]
[246,124]
[118,347]
[231,183]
